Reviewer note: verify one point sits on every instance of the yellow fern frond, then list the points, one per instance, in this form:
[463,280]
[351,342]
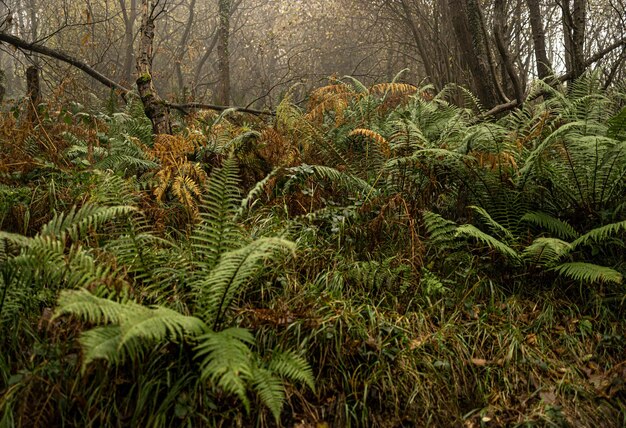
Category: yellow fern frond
[183,187]
[375,136]
[170,148]
[337,103]
[393,88]
[325,91]
[495,160]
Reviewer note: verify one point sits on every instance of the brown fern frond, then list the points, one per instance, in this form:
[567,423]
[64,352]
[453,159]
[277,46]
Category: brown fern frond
[336,102]
[393,88]
[163,180]
[496,160]
[169,148]
[329,90]
[276,149]
[375,136]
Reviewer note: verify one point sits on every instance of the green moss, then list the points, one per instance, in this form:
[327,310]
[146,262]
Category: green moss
[144,78]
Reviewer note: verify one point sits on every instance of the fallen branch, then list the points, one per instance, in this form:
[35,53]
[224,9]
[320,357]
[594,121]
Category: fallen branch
[200,106]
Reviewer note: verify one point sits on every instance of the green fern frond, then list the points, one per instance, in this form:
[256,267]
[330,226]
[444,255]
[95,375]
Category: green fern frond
[617,126]
[156,325]
[217,232]
[95,310]
[101,343]
[347,181]
[270,390]
[14,239]
[557,227]
[255,193]
[589,273]
[533,160]
[358,86]
[439,229]
[600,234]
[139,326]
[470,231]
[293,367]
[546,251]
[493,225]
[237,144]
[226,360]
[234,269]
[76,223]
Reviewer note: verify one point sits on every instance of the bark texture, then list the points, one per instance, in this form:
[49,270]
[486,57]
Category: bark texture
[155,108]
[544,67]
[33,88]
[466,19]
[223,53]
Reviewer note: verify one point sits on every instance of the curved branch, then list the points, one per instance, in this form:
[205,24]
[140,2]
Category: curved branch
[563,78]
[61,56]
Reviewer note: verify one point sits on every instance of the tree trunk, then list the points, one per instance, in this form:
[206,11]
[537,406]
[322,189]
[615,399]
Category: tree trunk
[33,89]
[417,37]
[574,27]
[466,20]
[499,30]
[155,108]
[578,35]
[130,17]
[182,49]
[223,54]
[3,89]
[544,67]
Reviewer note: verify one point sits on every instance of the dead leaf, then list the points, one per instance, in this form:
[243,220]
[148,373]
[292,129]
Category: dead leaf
[548,397]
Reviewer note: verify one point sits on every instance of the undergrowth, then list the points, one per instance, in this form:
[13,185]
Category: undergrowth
[380,258]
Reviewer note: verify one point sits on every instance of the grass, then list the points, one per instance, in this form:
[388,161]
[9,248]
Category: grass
[401,327]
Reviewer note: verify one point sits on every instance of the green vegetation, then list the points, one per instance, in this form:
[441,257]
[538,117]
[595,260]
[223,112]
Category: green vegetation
[380,258]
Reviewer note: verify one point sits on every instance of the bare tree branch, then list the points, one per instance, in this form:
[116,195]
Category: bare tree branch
[61,56]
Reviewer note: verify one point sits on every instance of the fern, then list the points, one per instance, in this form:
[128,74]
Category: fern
[345,180]
[270,390]
[292,366]
[442,232]
[210,269]
[617,126]
[234,270]
[546,251]
[217,233]
[470,231]
[101,343]
[493,225]
[138,326]
[589,273]
[600,234]
[76,223]
[560,228]
[226,360]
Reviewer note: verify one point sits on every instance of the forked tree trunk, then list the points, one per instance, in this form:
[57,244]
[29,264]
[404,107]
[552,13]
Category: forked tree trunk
[155,108]
[499,31]
[574,27]
[466,20]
